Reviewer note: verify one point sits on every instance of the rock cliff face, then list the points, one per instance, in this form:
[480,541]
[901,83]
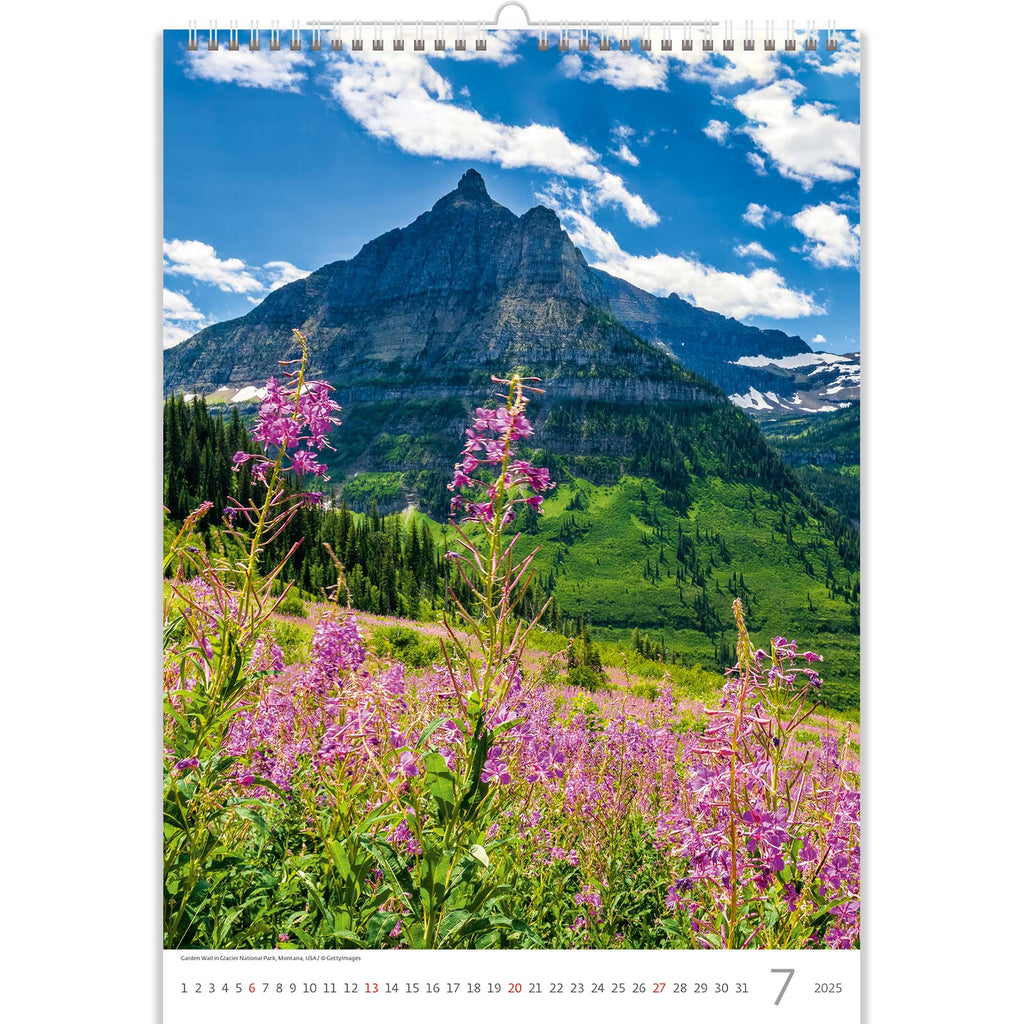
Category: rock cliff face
[411,329]
[466,289]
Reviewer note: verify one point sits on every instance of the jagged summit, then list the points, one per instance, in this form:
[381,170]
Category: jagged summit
[468,288]
[470,194]
[472,181]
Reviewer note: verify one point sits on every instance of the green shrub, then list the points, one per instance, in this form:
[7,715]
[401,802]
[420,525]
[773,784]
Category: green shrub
[293,639]
[585,677]
[405,645]
[292,605]
[649,691]
[687,721]
[587,706]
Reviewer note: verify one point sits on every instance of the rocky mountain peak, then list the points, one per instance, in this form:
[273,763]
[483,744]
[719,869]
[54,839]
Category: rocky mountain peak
[469,287]
[472,182]
[469,195]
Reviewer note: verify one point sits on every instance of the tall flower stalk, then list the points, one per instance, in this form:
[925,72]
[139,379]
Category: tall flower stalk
[216,632]
[489,484]
[346,800]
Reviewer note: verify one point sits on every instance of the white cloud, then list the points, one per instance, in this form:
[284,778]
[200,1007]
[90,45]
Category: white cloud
[618,69]
[761,293]
[283,71]
[719,70]
[818,339]
[650,69]
[282,272]
[717,130]
[755,249]
[179,307]
[404,100]
[757,215]
[178,310]
[625,154]
[610,191]
[757,162]
[831,241]
[199,261]
[174,335]
[806,142]
[623,131]
[501,47]
[844,60]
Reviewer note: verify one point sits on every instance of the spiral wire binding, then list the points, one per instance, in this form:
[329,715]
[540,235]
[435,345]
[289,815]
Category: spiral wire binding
[582,34]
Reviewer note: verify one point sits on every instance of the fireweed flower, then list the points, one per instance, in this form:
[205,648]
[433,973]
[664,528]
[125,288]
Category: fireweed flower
[292,426]
[560,784]
[487,468]
[406,767]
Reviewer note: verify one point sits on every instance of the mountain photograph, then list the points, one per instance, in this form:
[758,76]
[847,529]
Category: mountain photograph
[512,555]
[655,457]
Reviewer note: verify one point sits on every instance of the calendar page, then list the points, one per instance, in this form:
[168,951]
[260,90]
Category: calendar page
[511,493]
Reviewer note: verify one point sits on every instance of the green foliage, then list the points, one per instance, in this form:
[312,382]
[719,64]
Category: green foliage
[585,677]
[590,710]
[824,453]
[650,562]
[365,489]
[292,605]
[659,584]
[400,643]
[647,690]
[293,639]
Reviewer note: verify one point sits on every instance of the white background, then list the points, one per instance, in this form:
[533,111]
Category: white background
[941,336]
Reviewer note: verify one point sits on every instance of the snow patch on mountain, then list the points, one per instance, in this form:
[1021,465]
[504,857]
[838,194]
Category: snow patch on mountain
[753,399]
[808,401]
[793,362]
[248,393]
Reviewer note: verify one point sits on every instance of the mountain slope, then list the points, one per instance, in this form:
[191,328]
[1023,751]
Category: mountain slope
[763,372]
[468,278]
[688,505]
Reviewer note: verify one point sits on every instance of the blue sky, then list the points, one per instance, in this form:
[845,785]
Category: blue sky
[731,179]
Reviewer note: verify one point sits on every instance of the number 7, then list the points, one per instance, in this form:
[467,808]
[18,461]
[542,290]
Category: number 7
[789,977]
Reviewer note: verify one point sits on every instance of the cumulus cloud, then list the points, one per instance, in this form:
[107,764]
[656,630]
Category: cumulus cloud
[754,249]
[720,70]
[651,69]
[760,293]
[179,311]
[200,261]
[757,162]
[282,71]
[625,154]
[282,272]
[830,239]
[844,60]
[759,215]
[804,141]
[403,99]
[619,70]
[609,190]
[717,130]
